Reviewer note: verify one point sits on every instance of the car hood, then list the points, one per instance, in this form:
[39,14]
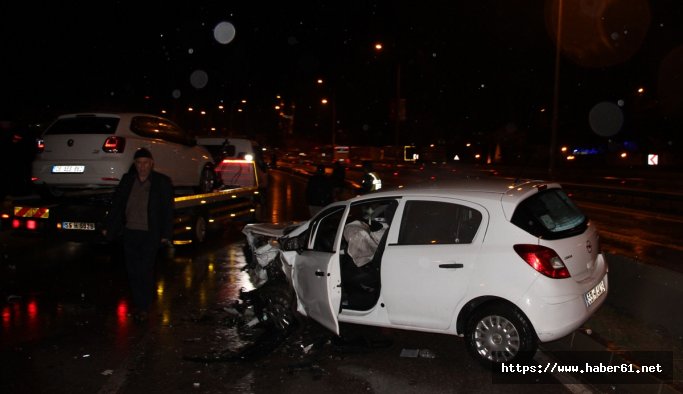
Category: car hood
[272,230]
[266,241]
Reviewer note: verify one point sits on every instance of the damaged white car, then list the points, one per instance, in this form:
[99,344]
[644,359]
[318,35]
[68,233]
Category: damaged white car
[505,264]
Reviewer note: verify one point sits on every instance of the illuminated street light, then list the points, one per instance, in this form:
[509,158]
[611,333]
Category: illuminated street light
[324,101]
[379,46]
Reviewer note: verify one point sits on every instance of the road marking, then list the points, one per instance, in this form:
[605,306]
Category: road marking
[571,383]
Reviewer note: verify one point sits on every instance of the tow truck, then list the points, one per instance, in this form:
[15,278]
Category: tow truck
[80,215]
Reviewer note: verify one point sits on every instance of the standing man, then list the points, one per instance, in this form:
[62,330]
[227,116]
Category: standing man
[338,180]
[142,212]
[318,190]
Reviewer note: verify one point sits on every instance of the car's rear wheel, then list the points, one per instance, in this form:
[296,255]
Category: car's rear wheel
[500,333]
[50,192]
[207,180]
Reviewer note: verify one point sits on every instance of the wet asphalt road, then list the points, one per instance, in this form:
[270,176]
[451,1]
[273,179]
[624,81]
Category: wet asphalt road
[65,328]
[88,345]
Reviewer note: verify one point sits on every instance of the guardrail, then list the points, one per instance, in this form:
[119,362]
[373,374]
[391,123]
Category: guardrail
[649,200]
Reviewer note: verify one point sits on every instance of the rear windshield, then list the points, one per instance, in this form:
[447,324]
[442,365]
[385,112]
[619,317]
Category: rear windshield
[84,125]
[550,214]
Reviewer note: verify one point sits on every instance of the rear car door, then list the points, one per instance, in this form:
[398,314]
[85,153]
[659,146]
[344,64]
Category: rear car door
[316,275]
[429,260]
[169,146]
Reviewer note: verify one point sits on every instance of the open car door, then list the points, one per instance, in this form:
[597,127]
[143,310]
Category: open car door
[316,275]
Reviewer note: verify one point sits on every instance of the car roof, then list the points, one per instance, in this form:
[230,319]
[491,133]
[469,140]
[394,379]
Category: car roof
[107,114]
[508,191]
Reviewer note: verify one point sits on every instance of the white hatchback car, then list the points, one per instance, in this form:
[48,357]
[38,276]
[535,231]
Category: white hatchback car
[503,264]
[95,150]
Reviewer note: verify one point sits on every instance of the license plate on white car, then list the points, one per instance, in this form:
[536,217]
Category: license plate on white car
[596,292]
[68,169]
[78,226]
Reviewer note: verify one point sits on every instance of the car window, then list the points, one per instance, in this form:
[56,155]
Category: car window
[366,230]
[436,222]
[550,214]
[380,210]
[324,229]
[84,125]
[151,127]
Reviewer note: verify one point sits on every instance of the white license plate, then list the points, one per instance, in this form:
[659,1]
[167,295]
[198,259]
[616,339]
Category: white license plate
[596,292]
[78,226]
[68,169]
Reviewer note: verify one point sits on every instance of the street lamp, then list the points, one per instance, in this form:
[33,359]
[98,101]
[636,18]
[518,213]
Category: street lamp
[399,110]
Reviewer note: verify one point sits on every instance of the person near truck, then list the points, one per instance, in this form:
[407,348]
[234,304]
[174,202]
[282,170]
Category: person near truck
[318,190]
[338,180]
[142,214]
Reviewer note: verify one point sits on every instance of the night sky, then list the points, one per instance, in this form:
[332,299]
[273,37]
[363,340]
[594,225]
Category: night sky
[477,68]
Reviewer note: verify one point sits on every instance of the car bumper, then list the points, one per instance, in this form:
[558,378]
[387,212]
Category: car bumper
[94,174]
[557,315]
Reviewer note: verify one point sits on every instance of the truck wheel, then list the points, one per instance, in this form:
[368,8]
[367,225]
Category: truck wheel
[199,229]
[207,180]
[500,333]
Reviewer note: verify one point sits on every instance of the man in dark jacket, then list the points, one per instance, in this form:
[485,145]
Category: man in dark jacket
[142,213]
[318,190]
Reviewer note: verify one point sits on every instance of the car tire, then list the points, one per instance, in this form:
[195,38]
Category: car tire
[207,180]
[200,229]
[500,334]
[280,308]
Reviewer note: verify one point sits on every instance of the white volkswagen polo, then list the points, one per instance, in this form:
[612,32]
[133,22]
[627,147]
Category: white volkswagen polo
[95,150]
[505,264]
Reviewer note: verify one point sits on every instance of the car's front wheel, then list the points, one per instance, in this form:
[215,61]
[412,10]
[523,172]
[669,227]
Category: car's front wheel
[500,334]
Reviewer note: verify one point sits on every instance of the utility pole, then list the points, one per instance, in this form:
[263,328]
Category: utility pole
[399,108]
[556,93]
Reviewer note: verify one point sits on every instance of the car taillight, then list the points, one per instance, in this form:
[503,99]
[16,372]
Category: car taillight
[114,144]
[543,260]
[40,145]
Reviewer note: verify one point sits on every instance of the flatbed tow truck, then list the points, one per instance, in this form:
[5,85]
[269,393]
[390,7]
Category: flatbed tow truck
[80,215]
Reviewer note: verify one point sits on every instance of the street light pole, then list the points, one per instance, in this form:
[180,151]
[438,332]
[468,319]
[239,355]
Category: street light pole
[334,118]
[399,109]
[556,93]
